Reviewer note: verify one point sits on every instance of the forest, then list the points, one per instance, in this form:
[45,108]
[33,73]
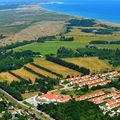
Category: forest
[17,88]
[14,60]
[75,110]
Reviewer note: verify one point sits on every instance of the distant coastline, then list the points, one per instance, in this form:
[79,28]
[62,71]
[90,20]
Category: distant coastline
[63,8]
[68,9]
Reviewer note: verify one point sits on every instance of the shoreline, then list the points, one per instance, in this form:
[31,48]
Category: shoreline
[40,5]
[78,16]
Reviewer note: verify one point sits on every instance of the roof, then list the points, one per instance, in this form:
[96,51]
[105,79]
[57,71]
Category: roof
[51,96]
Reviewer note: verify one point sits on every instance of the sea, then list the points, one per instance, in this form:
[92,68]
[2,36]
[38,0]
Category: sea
[106,10]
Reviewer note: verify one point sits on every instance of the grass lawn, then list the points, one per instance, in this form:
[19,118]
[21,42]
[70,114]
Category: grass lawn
[28,95]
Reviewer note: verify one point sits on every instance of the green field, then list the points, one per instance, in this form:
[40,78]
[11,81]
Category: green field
[50,47]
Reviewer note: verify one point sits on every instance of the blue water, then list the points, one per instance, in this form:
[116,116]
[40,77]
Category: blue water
[107,10]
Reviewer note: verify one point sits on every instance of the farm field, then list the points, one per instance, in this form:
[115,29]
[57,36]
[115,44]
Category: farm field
[43,72]
[5,76]
[56,68]
[25,74]
[93,63]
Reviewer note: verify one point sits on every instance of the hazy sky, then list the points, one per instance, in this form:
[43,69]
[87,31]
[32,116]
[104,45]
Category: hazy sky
[20,0]
[49,0]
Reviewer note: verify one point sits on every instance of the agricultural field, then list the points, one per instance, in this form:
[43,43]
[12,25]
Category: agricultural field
[56,68]
[36,72]
[93,63]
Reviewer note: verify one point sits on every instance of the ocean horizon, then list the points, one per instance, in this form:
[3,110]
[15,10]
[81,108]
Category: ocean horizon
[107,10]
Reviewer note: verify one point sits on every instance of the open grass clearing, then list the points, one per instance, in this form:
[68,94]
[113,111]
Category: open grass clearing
[29,95]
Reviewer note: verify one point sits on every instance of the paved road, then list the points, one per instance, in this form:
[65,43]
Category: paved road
[38,113]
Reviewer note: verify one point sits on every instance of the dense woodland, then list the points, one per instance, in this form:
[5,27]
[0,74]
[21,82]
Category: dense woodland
[97,31]
[74,110]
[82,22]
[17,88]
[111,55]
[63,38]
[10,60]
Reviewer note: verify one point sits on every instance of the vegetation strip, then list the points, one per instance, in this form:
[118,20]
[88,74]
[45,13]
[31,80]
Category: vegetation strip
[48,70]
[83,70]
[32,71]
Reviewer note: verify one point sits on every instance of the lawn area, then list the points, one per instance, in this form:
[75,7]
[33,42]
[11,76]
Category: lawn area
[28,95]
[93,63]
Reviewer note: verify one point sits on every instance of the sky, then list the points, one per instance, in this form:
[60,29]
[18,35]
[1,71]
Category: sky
[48,0]
[20,0]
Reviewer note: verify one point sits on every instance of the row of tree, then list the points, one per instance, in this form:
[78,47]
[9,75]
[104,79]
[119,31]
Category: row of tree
[59,61]
[82,22]
[97,31]
[48,70]
[104,42]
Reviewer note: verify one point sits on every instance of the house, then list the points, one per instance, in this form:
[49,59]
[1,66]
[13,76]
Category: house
[111,101]
[112,106]
[50,97]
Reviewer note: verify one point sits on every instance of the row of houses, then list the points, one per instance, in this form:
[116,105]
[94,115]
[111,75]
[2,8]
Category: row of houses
[107,102]
[94,81]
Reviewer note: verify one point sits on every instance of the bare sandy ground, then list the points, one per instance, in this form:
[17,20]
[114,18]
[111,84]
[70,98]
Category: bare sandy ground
[35,31]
